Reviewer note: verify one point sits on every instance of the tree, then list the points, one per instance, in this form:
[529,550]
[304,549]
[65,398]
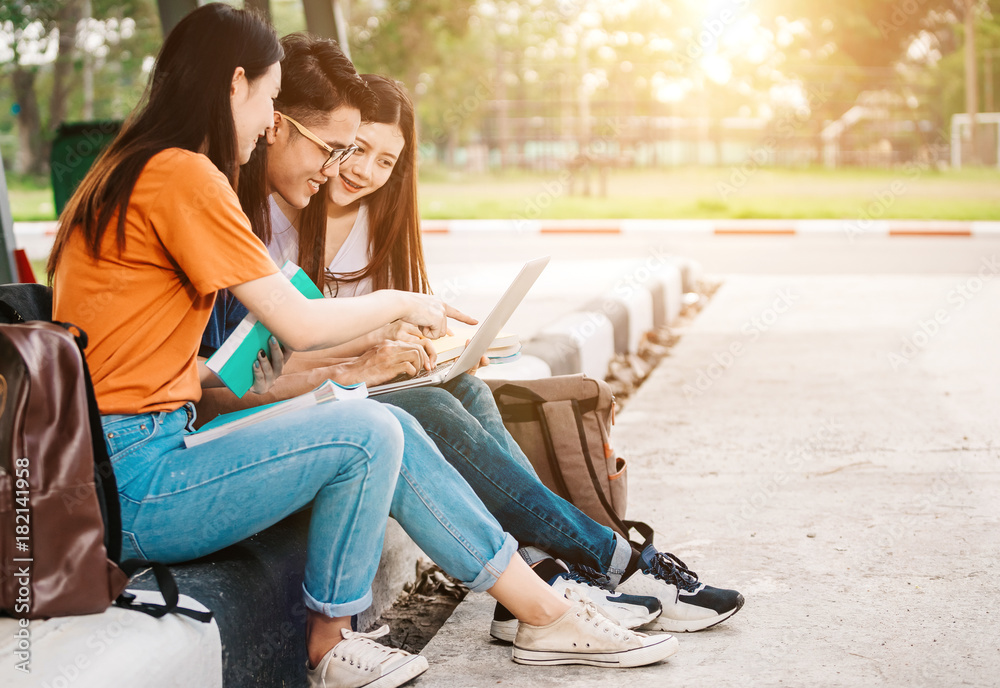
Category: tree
[31,31]
[52,45]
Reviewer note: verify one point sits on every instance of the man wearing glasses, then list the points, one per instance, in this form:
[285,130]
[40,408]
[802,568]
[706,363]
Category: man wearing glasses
[304,149]
[302,156]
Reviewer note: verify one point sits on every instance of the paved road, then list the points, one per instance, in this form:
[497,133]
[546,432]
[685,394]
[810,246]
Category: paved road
[824,438]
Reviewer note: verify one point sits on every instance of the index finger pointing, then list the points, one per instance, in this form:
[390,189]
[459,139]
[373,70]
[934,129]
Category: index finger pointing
[453,312]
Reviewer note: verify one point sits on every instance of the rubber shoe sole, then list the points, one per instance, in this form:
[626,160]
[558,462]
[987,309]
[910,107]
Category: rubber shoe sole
[504,631]
[413,667]
[664,623]
[660,649]
[401,674]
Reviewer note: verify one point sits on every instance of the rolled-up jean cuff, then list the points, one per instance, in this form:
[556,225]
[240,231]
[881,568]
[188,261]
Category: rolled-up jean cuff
[619,559]
[337,610]
[533,555]
[487,578]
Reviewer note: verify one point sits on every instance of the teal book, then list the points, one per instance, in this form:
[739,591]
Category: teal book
[233,361]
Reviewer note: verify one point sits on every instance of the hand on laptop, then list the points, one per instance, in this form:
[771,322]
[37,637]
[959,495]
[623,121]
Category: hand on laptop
[484,361]
[389,360]
[398,330]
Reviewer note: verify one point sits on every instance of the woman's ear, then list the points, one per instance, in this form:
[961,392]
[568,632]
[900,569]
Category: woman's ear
[239,81]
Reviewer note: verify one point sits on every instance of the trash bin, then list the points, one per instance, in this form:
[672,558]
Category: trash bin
[76,146]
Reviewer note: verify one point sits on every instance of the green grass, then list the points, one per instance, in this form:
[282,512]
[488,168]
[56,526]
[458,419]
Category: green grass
[708,193]
[716,193]
[30,198]
[39,267]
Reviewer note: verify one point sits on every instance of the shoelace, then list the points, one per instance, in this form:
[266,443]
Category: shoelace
[592,614]
[582,573]
[361,650]
[672,570]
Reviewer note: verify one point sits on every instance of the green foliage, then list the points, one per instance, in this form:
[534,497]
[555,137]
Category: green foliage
[120,37]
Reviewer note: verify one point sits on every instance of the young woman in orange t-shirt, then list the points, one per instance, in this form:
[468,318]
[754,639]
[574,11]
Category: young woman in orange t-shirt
[153,232]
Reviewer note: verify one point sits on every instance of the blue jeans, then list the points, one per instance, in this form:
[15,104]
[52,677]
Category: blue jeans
[343,458]
[463,420]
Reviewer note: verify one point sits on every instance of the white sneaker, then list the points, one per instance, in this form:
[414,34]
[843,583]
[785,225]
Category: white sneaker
[688,604]
[630,611]
[358,660]
[584,635]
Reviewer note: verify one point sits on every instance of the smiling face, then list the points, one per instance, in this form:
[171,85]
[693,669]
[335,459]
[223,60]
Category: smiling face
[295,164]
[370,167]
[253,107]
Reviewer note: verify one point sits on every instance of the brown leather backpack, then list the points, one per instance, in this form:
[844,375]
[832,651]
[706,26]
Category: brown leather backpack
[563,425]
[55,546]
[60,523]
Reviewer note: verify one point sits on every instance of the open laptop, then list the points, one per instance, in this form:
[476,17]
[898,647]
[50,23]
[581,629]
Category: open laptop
[480,342]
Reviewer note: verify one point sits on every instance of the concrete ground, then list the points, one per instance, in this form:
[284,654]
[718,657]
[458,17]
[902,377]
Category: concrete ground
[828,445]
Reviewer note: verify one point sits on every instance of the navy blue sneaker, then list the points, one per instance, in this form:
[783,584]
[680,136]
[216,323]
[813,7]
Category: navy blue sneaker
[688,604]
[629,611]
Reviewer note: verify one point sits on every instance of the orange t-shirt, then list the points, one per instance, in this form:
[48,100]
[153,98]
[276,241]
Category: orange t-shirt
[144,311]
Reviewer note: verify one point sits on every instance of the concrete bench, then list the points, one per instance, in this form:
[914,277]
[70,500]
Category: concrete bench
[257,637]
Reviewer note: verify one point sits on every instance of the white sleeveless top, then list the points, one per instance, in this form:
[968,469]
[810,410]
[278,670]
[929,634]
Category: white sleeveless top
[352,256]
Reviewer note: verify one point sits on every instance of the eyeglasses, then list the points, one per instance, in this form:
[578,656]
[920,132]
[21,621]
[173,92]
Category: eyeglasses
[337,155]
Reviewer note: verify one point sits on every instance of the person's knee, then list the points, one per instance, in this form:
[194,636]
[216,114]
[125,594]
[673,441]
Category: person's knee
[473,384]
[432,408]
[380,432]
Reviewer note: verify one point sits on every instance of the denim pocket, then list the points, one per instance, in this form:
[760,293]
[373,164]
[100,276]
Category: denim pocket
[125,439]
[130,547]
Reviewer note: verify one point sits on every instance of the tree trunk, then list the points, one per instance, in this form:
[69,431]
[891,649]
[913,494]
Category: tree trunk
[971,82]
[29,125]
[87,78]
[66,21]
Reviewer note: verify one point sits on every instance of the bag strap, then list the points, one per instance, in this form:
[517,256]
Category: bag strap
[533,412]
[526,413]
[168,588]
[104,473]
[562,489]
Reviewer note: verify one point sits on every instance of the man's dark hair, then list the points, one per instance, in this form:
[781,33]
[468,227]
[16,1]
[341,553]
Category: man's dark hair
[317,78]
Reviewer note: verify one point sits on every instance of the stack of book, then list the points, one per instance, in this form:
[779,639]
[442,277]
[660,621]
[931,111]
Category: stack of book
[506,348]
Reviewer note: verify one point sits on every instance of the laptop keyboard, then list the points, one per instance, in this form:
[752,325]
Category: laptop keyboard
[443,368]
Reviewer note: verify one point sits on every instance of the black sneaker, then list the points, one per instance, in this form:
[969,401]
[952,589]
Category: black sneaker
[688,604]
[629,611]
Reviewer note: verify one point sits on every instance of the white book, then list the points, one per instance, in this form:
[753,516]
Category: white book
[225,423]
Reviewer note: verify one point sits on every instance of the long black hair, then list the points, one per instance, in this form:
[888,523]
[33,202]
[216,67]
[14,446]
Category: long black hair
[186,105]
